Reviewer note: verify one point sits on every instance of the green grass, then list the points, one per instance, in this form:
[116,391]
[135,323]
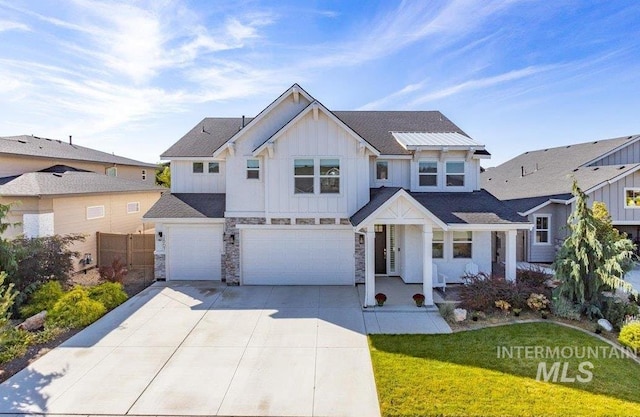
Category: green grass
[461,374]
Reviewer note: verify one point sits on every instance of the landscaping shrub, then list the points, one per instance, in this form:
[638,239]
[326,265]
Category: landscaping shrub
[534,278]
[7,297]
[613,310]
[109,294]
[481,291]
[446,311]
[42,299]
[115,272]
[75,309]
[563,308]
[14,343]
[630,335]
[631,309]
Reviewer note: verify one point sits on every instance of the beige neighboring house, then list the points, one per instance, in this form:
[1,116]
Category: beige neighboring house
[56,187]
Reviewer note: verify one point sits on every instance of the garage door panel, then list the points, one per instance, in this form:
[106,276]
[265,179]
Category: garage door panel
[297,257]
[194,252]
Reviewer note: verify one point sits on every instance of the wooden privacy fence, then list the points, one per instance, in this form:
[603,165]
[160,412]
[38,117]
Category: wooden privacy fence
[134,249]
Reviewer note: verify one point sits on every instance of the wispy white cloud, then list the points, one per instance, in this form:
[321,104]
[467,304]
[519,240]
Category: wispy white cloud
[6,25]
[377,104]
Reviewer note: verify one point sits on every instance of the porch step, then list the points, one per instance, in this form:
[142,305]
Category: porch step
[400,309]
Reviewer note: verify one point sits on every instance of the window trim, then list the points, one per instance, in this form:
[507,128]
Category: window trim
[248,169]
[115,171]
[209,168]
[95,207]
[144,175]
[193,167]
[312,176]
[382,161]
[464,173]
[324,176]
[454,241]
[317,191]
[637,191]
[425,174]
[137,203]
[535,229]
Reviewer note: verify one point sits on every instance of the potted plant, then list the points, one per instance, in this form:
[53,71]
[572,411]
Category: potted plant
[544,314]
[475,316]
[419,299]
[380,299]
[517,311]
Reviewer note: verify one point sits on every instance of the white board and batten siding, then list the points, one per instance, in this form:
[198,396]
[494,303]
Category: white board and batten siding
[304,256]
[399,173]
[184,180]
[316,139]
[471,173]
[193,251]
[248,195]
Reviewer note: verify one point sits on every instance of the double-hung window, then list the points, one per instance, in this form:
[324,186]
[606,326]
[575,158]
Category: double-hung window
[428,173]
[382,170]
[253,169]
[437,245]
[214,168]
[198,167]
[462,244]
[329,176]
[542,230]
[454,173]
[303,176]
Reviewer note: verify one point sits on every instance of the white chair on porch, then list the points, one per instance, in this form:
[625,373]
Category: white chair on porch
[439,280]
[471,269]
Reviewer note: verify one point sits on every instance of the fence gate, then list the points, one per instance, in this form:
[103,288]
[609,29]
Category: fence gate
[134,249]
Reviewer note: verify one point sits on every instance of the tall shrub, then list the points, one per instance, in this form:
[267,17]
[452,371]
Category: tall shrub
[7,295]
[7,258]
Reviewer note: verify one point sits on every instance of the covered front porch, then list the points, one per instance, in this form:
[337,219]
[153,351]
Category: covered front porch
[403,239]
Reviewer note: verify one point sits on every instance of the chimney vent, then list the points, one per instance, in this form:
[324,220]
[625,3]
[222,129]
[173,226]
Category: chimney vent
[243,120]
[522,170]
[70,140]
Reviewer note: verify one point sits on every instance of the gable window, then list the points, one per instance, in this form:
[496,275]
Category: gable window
[95,212]
[198,167]
[133,207]
[437,245]
[303,170]
[454,174]
[462,244]
[542,230]
[144,174]
[329,176]
[112,171]
[632,197]
[253,169]
[382,170]
[428,173]
[214,168]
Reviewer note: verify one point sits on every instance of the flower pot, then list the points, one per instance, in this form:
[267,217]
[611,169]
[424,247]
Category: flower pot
[516,313]
[380,303]
[544,316]
[474,318]
[419,303]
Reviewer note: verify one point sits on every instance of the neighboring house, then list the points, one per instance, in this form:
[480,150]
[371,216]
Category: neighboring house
[538,185]
[304,195]
[59,188]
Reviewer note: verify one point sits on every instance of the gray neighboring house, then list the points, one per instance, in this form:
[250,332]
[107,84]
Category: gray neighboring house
[537,184]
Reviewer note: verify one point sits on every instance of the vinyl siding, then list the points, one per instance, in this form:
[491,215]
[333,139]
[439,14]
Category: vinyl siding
[613,195]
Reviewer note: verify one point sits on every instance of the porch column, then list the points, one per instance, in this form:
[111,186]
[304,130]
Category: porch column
[369,267]
[427,261]
[510,255]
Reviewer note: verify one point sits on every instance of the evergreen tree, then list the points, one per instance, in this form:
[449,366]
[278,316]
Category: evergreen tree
[7,295]
[7,258]
[594,258]
[163,175]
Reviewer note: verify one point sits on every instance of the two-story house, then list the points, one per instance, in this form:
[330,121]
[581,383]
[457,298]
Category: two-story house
[538,185]
[302,195]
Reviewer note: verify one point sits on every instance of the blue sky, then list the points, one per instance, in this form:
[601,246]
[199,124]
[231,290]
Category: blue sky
[132,78]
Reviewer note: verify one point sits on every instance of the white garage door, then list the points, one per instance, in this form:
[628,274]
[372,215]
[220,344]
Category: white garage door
[194,252]
[297,257]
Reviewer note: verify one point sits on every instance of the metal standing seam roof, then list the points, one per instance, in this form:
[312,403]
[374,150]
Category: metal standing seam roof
[26,145]
[434,139]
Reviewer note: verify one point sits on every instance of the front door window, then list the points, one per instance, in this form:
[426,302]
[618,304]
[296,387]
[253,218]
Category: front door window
[381,249]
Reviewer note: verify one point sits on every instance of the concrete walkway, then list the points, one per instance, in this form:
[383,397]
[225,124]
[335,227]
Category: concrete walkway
[207,349]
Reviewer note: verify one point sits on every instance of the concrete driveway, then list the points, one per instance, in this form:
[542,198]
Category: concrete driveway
[207,349]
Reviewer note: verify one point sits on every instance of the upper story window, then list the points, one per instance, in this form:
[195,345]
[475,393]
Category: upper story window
[462,244]
[144,174]
[542,230]
[303,178]
[632,197]
[214,168]
[198,167]
[382,170]
[428,173]
[95,212]
[454,173]
[311,174]
[112,171]
[253,169]
[437,245]
[329,176]
[133,207]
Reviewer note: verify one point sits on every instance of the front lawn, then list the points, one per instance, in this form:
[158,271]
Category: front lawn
[461,374]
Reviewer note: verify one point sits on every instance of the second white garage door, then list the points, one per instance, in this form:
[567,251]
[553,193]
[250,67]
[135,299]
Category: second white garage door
[194,252]
[297,257]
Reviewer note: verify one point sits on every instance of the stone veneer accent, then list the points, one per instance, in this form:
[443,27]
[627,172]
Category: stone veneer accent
[159,270]
[359,259]
[327,220]
[305,220]
[231,257]
[280,220]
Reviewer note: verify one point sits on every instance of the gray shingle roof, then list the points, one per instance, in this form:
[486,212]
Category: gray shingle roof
[70,182]
[522,205]
[477,207]
[373,126]
[551,171]
[50,148]
[188,205]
